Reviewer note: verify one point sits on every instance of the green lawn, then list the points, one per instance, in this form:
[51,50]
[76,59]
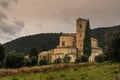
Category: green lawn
[96,72]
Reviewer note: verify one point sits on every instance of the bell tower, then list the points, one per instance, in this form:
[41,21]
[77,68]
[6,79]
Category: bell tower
[80,34]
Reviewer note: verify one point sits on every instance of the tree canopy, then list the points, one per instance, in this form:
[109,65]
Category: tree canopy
[14,60]
[113,45]
[33,52]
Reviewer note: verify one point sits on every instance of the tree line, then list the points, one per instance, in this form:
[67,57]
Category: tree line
[112,47]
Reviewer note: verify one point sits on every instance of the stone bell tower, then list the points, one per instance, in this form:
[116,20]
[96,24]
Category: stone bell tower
[80,34]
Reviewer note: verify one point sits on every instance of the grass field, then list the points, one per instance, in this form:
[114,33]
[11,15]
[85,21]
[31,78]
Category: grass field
[104,71]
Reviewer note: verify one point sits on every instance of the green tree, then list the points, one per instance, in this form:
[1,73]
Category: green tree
[84,58]
[87,40]
[58,60]
[34,60]
[100,58]
[14,60]
[78,60]
[27,62]
[66,59]
[2,53]
[34,52]
[43,61]
[113,45]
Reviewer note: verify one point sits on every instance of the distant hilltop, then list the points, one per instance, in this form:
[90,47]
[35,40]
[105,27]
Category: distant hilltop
[50,40]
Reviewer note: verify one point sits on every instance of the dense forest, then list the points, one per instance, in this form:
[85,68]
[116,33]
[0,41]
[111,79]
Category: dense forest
[47,41]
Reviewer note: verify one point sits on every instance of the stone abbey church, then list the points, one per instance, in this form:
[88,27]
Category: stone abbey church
[72,45]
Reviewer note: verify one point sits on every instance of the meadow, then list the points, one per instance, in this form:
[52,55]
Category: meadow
[104,71]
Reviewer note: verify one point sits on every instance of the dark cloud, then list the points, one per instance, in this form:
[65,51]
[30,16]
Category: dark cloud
[19,23]
[2,15]
[10,28]
[6,3]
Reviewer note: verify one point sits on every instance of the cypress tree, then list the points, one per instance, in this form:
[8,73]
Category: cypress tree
[87,41]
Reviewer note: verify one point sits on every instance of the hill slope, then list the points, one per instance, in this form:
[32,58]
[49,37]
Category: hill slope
[41,41]
[100,33]
[49,40]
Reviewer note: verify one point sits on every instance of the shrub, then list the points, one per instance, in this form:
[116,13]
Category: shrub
[57,61]
[66,59]
[100,58]
[78,60]
[15,78]
[27,62]
[62,75]
[43,61]
[34,60]
[50,78]
[14,60]
[75,69]
[84,58]
[34,52]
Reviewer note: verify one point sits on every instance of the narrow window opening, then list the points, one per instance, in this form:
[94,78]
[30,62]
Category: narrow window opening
[63,43]
[80,26]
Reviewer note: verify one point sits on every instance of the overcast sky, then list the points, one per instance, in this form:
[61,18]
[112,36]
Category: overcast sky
[26,17]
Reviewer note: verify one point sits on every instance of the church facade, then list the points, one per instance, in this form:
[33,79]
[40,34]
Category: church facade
[72,45]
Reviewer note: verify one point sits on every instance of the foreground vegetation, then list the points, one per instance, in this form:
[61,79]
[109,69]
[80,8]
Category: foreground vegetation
[104,71]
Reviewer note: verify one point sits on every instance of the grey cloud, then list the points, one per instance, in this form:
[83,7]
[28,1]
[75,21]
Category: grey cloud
[19,23]
[5,3]
[11,29]
[2,15]
[4,37]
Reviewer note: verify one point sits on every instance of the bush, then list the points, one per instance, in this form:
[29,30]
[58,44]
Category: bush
[27,62]
[43,61]
[14,60]
[66,59]
[34,60]
[78,60]
[84,58]
[15,79]
[57,61]
[100,58]
[50,78]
